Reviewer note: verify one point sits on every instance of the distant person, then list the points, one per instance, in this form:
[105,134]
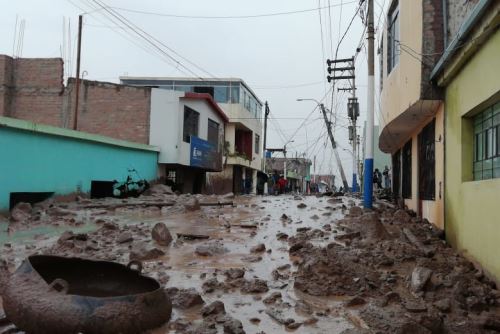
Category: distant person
[377,179]
[387,178]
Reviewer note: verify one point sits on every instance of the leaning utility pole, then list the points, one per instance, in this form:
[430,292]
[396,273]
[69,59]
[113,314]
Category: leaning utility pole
[334,145]
[368,168]
[266,115]
[75,123]
[352,105]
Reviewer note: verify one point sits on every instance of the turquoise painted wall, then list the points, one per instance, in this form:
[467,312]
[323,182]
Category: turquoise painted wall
[40,162]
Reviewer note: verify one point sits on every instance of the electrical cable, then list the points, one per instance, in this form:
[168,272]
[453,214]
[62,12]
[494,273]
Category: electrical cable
[226,17]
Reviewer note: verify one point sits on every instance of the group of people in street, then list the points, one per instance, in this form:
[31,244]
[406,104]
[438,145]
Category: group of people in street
[379,177]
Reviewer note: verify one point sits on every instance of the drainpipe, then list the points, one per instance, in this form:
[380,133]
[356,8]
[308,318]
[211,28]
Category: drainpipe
[445,23]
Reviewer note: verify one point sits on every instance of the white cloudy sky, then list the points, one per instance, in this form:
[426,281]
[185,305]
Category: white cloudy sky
[279,56]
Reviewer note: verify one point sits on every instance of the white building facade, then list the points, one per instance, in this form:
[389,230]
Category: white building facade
[189,130]
[242,144]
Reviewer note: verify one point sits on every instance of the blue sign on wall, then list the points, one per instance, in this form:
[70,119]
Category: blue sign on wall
[205,154]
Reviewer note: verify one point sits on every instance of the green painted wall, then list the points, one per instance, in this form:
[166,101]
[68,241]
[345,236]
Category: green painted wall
[38,158]
[472,207]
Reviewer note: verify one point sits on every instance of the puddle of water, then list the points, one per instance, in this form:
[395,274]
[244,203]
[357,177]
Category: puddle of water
[186,266]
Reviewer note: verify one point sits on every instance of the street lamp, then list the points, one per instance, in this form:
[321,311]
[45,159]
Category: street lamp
[334,145]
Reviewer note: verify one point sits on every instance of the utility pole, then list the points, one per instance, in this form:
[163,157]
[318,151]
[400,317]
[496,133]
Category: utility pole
[368,168]
[352,106]
[266,115]
[80,19]
[334,145]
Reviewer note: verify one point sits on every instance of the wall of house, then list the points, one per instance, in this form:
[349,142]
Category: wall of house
[432,210]
[238,114]
[472,206]
[401,87]
[457,12]
[32,89]
[50,159]
[167,124]
[112,110]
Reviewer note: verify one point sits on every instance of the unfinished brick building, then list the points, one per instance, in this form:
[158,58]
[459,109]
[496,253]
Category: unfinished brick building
[32,89]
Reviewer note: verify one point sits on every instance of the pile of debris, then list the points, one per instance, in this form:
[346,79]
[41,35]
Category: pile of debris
[400,273]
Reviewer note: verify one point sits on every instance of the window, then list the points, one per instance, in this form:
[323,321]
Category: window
[487,143]
[203,89]
[191,121]
[406,180]
[393,37]
[257,143]
[213,132]
[235,94]
[426,162]
[221,94]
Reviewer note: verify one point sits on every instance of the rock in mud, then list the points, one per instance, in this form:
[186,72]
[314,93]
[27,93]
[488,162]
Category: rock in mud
[254,286]
[401,216]
[124,238]
[302,205]
[211,285]
[110,226]
[355,211]
[233,326]
[444,305]
[272,298]
[160,189]
[143,252]
[192,205]
[251,258]
[184,298]
[21,212]
[419,278]
[356,301]
[210,249]
[234,273]
[215,308]
[281,236]
[161,234]
[258,248]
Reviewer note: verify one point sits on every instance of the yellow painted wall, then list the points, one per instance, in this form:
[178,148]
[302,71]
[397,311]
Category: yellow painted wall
[401,87]
[472,207]
[433,211]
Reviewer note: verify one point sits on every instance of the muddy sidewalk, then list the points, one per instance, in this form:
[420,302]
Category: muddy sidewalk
[270,264]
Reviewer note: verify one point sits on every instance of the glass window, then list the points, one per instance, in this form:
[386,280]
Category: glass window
[235,94]
[487,144]
[221,94]
[213,132]
[257,143]
[393,37]
[191,123]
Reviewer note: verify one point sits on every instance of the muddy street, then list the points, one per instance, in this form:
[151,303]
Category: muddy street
[272,264]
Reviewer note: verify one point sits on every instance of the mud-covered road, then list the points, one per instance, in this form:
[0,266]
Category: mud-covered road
[273,264]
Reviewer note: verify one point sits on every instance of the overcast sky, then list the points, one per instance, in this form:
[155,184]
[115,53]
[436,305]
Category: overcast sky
[279,56]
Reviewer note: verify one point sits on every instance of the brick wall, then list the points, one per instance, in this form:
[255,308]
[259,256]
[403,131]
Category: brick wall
[432,46]
[32,89]
[112,110]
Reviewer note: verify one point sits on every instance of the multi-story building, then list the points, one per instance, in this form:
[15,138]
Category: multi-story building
[189,130]
[243,131]
[412,109]
[468,71]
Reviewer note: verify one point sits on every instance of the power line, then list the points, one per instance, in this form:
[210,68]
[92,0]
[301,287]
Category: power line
[150,39]
[126,35]
[226,17]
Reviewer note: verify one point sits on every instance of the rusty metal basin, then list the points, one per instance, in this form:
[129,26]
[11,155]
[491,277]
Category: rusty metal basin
[52,294]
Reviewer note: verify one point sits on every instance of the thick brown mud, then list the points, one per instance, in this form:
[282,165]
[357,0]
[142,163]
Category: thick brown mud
[273,264]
